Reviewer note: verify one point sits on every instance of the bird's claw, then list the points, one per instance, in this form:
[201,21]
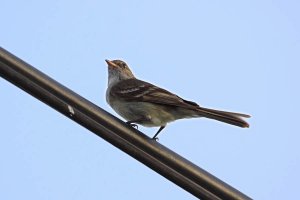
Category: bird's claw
[155,138]
[133,125]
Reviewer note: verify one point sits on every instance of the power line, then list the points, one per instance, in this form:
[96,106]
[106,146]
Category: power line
[136,144]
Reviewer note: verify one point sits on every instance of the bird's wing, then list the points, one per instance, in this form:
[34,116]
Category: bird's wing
[137,90]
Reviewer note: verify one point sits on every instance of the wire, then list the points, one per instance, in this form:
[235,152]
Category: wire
[136,144]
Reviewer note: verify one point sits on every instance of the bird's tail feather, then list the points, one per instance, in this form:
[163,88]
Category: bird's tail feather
[224,116]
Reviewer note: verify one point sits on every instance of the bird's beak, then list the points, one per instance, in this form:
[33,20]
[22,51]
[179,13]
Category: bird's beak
[110,63]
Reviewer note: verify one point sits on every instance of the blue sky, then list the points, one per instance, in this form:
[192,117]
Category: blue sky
[239,56]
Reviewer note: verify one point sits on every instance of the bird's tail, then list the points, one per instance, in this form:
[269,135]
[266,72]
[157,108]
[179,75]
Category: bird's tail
[223,116]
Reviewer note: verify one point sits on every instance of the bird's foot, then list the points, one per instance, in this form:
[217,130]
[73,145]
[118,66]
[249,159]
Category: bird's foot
[133,125]
[155,138]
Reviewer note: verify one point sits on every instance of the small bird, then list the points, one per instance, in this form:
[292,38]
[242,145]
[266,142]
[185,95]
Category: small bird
[143,103]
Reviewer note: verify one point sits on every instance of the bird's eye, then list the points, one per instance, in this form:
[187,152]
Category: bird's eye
[123,65]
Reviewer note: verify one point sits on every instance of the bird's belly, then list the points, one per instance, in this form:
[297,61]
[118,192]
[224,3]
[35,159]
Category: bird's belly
[147,114]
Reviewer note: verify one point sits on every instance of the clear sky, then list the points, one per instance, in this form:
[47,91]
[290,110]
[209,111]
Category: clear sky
[239,56]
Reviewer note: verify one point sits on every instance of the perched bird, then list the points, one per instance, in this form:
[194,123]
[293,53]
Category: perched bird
[143,103]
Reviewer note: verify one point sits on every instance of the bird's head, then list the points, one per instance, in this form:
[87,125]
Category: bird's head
[118,70]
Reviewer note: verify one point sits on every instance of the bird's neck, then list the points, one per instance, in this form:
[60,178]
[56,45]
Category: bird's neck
[112,80]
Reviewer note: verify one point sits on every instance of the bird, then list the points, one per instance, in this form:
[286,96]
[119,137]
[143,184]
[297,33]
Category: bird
[143,103]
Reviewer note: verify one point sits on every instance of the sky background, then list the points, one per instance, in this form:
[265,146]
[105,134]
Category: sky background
[239,56]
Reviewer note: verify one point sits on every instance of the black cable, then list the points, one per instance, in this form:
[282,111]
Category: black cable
[154,155]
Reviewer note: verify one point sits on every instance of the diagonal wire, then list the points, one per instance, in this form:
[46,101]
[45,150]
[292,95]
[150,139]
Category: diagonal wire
[136,144]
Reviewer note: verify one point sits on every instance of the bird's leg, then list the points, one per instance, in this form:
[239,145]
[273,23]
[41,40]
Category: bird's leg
[156,134]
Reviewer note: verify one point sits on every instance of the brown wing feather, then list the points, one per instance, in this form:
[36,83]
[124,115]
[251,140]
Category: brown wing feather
[137,90]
